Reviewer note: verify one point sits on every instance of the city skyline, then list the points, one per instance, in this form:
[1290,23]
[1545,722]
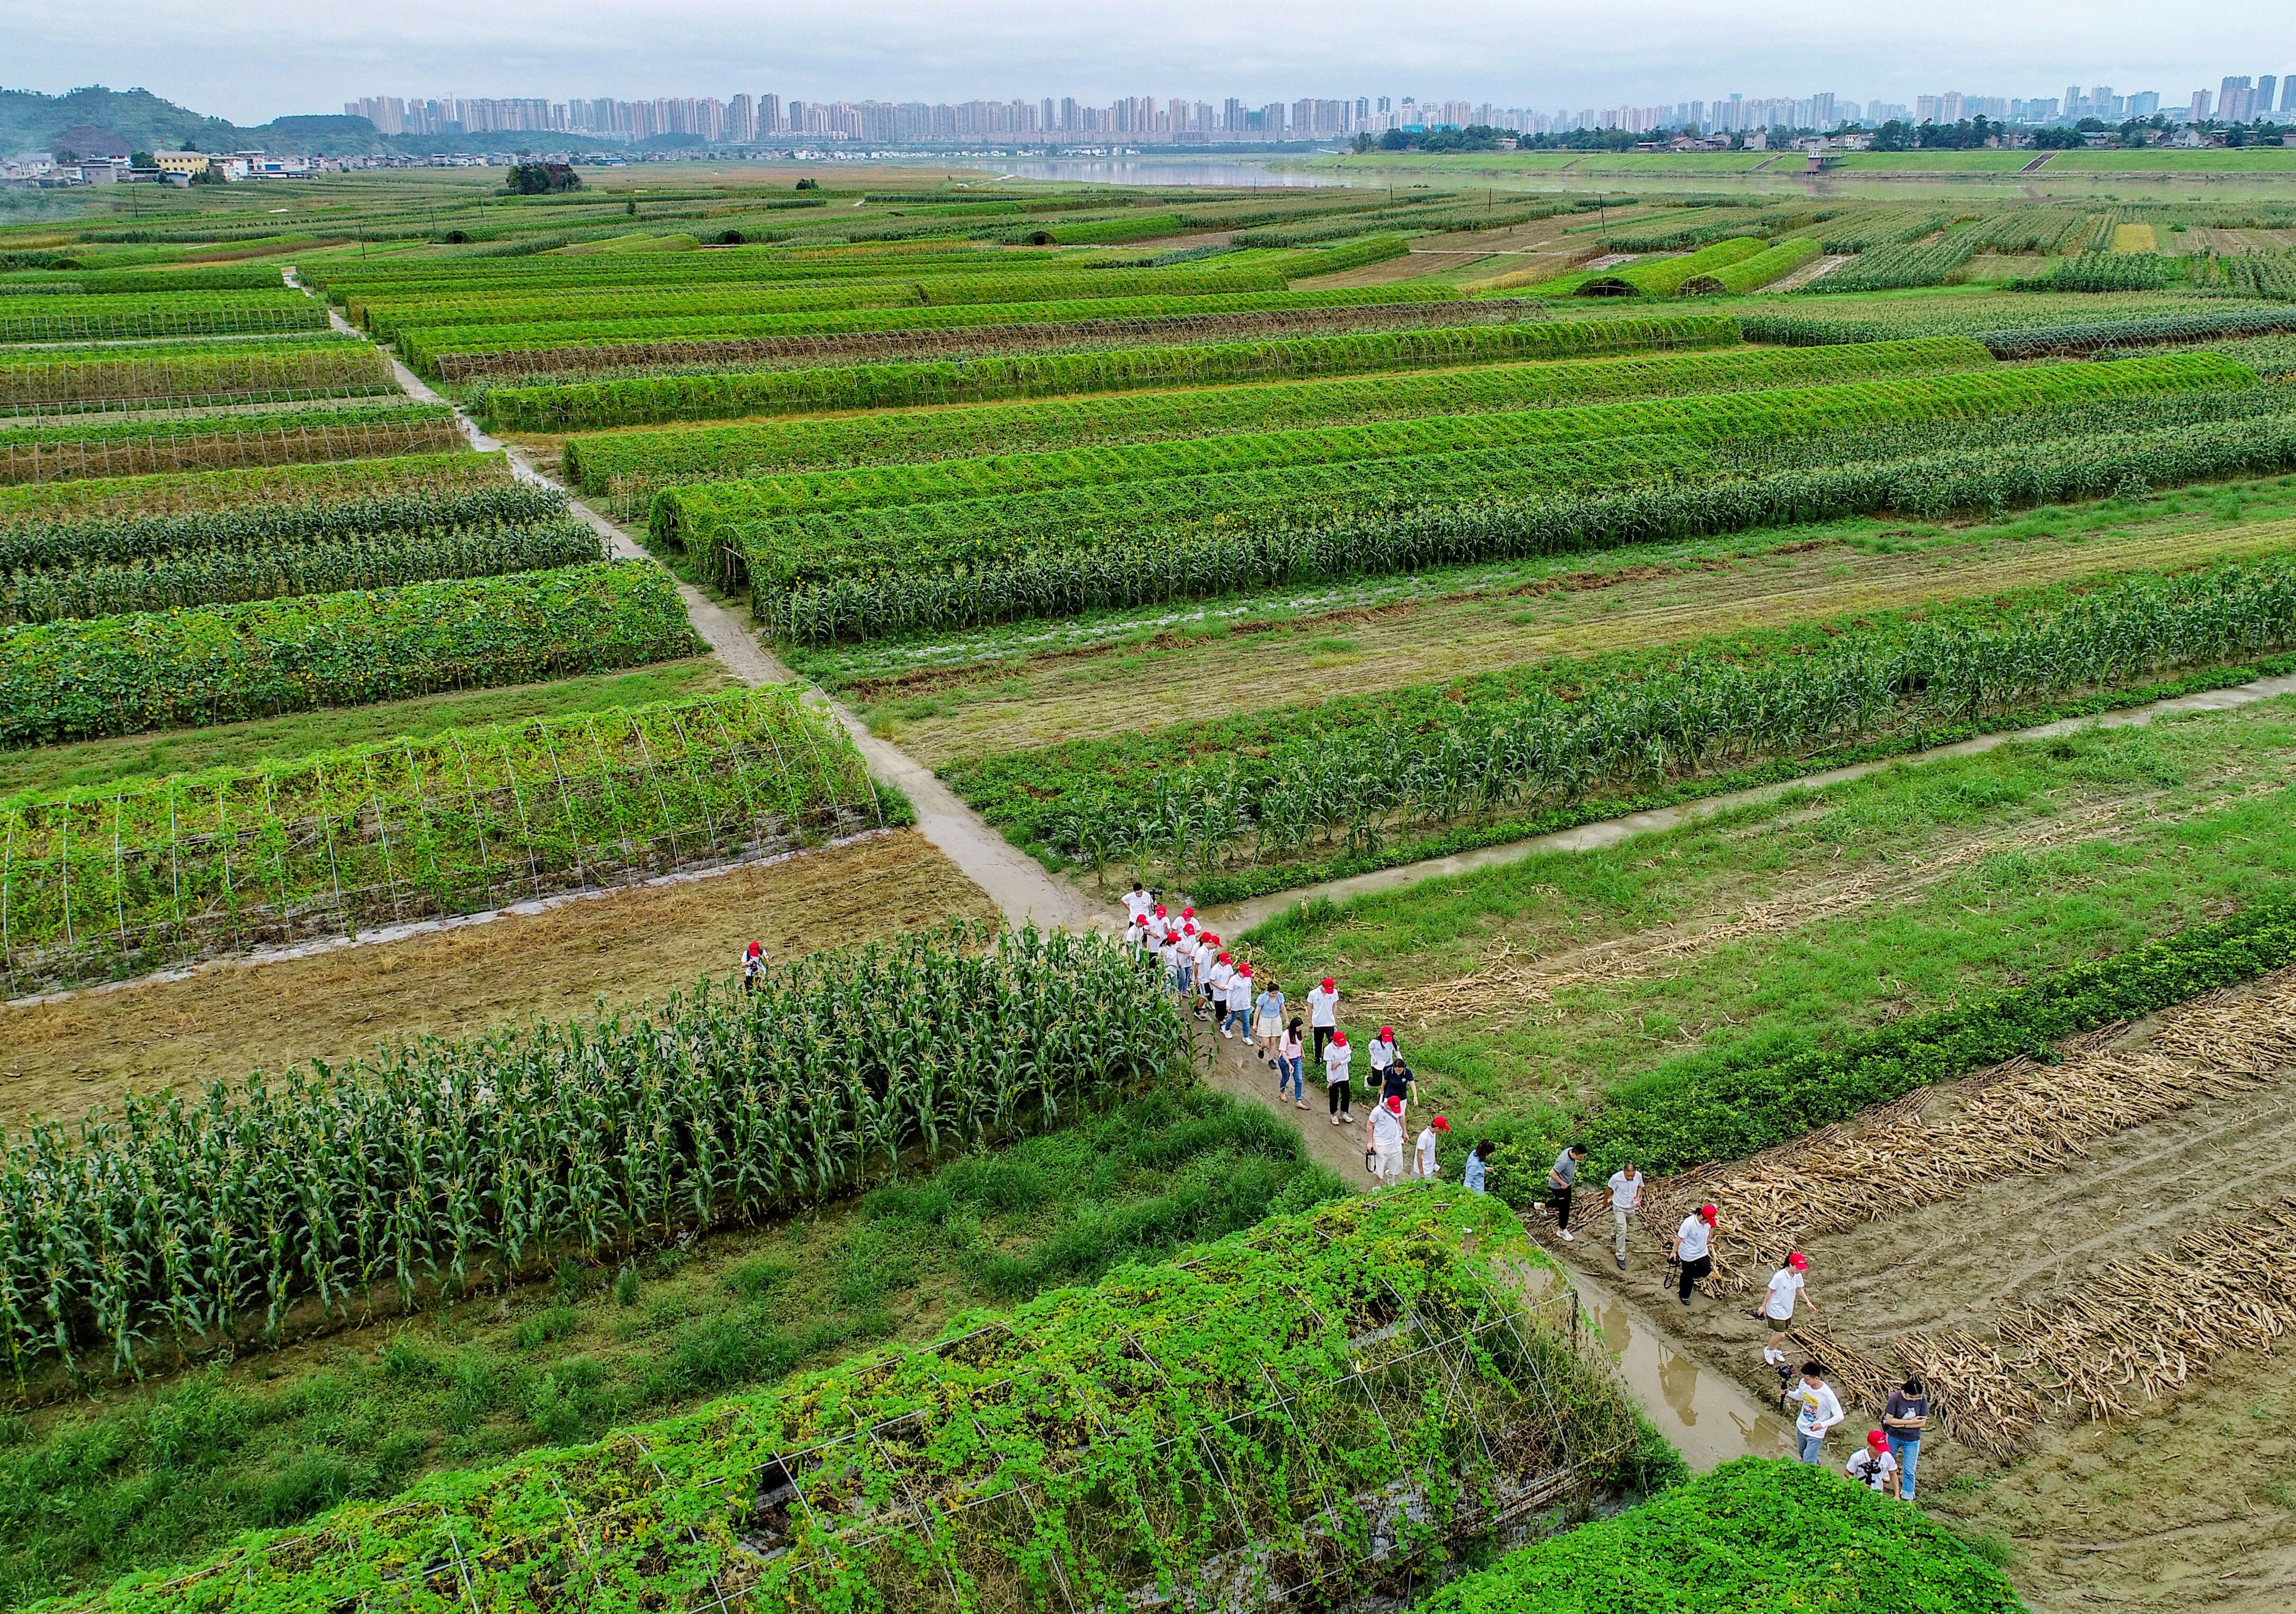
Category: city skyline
[240,64]
[743,119]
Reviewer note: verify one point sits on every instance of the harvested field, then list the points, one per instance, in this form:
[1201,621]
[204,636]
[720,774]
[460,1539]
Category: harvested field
[61,1059]
[1568,608]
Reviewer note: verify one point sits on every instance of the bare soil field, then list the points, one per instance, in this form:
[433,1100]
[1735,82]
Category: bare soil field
[1569,612]
[59,1060]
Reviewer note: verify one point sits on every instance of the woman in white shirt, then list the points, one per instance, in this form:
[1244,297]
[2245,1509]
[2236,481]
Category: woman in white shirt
[1694,1248]
[1336,1056]
[1424,1164]
[1778,1305]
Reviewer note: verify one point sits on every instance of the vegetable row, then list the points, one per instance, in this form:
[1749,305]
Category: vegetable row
[123,675]
[127,878]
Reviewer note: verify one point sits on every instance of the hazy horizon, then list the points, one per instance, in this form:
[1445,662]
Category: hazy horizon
[247,68]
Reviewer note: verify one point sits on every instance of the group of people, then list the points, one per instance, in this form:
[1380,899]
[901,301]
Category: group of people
[1200,969]
[1223,988]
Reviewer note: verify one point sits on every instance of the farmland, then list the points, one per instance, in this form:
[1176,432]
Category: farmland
[1792,689]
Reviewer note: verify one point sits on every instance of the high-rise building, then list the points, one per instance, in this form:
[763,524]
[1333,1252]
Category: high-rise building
[741,120]
[2234,99]
[2287,94]
[2144,103]
[2261,107]
[2199,108]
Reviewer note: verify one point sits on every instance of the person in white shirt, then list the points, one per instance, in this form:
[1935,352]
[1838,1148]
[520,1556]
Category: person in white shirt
[1175,971]
[1383,1141]
[1817,1410]
[1335,1080]
[1213,993]
[1777,1308]
[1873,1467]
[1137,902]
[1324,1014]
[1692,1247]
[1424,1164]
[1625,1195]
[1239,1002]
[1216,979]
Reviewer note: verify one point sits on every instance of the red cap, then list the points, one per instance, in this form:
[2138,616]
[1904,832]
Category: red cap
[756,948]
[1339,1039]
[1211,937]
[1189,928]
[1330,985]
[1395,1107]
[1388,1032]
[1160,910]
[1798,1261]
[1707,1213]
[1873,1439]
[1223,958]
[1187,913]
[1240,969]
[1440,1124]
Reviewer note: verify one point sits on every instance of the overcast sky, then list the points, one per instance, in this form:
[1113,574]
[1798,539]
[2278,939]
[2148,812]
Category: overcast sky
[252,62]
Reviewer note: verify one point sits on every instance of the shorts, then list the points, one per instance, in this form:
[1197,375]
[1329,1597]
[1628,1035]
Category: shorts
[1388,1167]
[1269,1028]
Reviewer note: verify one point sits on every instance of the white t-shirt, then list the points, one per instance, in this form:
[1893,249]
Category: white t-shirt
[1382,1054]
[1239,991]
[1322,1008]
[1821,1408]
[1693,1233]
[1785,1284]
[1424,1159]
[1335,1070]
[1873,1468]
[1386,1130]
[1221,974]
[1137,903]
[1627,1193]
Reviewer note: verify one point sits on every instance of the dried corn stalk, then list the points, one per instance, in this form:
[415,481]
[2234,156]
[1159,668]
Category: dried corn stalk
[1975,1397]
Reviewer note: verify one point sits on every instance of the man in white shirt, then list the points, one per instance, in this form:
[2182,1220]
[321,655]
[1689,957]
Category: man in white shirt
[1383,1141]
[1692,1247]
[1137,902]
[1778,1305]
[1216,978]
[1817,1410]
[1424,1164]
[1626,1194]
[1324,1014]
[1336,1085]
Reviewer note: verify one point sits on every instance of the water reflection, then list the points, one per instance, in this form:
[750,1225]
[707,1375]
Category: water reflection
[1123,171]
[1708,1416]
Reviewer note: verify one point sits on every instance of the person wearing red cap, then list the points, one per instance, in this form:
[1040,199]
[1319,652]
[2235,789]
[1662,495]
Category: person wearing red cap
[1324,1014]
[1876,1466]
[1424,1164]
[1777,1307]
[1382,1060]
[1239,1003]
[753,967]
[1694,1248]
[1216,978]
[1383,1141]
[1336,1055]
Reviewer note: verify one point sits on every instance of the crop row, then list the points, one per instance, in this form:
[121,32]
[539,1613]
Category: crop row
[1657,491]
[58,319]
[421,346]
[54,457]
[227,576]
[17,434]
[2271,274]
[625,461]
[203,348]
[449,1162]
[2028,230]
[2105,272]
[106,282]
[691,357]
[387,318]
[1891,268]
[335,368]
[1752,273]
[1664,276]
[974,511]
[125,674]
[119,879]
[1318,1406]
[1542,752]
[273,524]
[65,504]
[1860,231]
[348,281]
[1461,334]
[2040,337]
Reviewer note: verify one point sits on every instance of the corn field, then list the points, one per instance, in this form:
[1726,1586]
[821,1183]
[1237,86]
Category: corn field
[196,1223]
[341,368]
[1361,787]
[115,879]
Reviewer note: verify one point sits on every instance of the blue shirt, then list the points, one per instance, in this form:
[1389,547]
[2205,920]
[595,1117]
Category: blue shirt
[1474,1177]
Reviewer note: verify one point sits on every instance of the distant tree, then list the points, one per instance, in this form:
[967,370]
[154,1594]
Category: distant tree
[808,184]
[541,178]
[1895,135]
[1362,142]
[142,159]
[2056,138]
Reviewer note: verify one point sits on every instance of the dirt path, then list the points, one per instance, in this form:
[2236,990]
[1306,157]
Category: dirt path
[1238,918]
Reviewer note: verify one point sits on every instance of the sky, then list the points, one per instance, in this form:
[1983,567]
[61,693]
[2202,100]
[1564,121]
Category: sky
[250,62]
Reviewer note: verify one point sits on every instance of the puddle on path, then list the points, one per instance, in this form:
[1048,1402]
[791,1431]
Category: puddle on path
[1710,1417]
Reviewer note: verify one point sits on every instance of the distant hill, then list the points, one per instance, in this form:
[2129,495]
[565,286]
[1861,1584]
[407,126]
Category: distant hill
[30,121]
